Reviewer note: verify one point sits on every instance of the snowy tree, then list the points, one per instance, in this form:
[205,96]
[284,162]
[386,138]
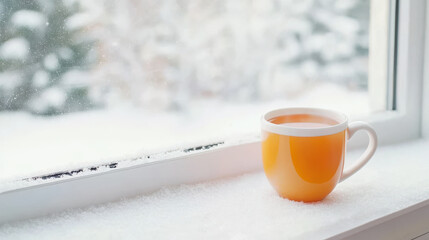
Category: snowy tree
[44,51]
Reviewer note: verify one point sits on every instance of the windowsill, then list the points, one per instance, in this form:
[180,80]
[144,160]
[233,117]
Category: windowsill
[246,207]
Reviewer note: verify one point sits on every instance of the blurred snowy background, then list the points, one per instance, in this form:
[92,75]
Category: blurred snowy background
[63,56]
[145,75]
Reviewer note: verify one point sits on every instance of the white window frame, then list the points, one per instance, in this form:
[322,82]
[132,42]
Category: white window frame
[402,124]
[425,92]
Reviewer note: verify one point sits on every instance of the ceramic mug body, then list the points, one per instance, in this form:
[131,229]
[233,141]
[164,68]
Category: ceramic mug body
[305,163]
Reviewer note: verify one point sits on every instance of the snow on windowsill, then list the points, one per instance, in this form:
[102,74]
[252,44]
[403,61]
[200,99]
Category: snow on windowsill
[246,207]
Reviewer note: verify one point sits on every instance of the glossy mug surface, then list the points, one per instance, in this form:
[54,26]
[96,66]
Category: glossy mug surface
[304,151]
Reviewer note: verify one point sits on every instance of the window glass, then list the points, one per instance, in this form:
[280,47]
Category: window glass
[90,82]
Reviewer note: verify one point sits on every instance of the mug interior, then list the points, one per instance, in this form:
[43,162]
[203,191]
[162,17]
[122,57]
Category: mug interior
[327,122]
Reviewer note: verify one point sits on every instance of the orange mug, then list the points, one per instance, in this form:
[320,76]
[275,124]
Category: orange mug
[303,151]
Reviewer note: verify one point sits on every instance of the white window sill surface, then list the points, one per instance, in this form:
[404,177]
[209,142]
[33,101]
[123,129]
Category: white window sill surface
[246,207]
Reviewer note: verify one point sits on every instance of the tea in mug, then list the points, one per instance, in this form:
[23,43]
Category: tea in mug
[303,121]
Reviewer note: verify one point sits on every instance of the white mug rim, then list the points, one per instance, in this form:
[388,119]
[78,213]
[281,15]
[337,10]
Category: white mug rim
[339,117]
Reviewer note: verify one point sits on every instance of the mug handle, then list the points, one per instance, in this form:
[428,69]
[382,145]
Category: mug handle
[369,152]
